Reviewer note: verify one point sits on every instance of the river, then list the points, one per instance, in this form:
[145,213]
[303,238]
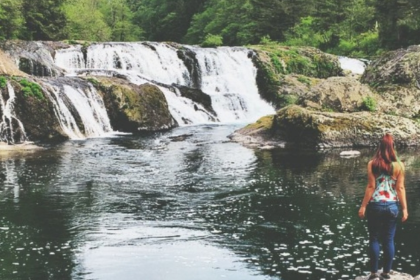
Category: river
[203,208]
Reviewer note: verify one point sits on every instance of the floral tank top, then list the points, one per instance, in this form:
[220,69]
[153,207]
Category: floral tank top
[385,189]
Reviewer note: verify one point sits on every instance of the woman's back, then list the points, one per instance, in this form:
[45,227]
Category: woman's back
[385,185]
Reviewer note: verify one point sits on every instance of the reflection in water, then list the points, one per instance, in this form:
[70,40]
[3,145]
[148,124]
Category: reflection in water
[145,207]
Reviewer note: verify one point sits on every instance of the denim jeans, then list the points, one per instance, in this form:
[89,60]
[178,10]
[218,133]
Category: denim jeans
[382,222]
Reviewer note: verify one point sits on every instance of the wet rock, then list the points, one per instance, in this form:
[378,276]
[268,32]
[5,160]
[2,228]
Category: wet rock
[396,77]
[191,62]
[273,63]
[134,108]
[347,154]
[295,125]
[34,58]
[36,113]
[197,96]
[8,67]
[179,138]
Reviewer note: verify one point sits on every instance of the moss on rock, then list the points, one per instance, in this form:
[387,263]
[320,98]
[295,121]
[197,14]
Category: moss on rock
[275,62]
[134,108]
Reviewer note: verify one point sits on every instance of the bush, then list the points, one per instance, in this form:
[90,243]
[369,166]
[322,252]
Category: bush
[212,41]
[368,104]
[3,82]
[288,99]
[266,40]
[31,89]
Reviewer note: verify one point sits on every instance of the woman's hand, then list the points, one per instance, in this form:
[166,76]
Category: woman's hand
[404,215]
[362,211]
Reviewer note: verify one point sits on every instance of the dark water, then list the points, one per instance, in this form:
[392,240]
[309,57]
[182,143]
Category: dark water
[134,207]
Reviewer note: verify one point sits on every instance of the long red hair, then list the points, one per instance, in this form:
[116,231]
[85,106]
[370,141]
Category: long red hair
[384,156]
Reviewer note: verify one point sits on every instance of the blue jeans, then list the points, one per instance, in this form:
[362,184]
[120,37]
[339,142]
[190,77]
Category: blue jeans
[382,222]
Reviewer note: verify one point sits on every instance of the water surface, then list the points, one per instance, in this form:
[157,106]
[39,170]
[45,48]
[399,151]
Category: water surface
[149,207]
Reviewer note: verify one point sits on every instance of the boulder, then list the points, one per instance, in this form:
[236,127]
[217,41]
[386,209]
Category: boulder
[36,112]
[8,67]
[134,108]
[274,62]
[34,58]
[298,126]
[339,94]
[396,77]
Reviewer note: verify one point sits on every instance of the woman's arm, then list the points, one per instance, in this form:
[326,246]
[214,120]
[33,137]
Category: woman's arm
[370,188]
[401,192]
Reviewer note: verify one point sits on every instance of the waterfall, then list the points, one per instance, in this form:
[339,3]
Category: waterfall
[11,128]
[83,101]
[227,75]
[70,59]
[356,66]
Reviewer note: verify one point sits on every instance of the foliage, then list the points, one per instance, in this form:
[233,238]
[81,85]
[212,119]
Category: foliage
[212,41]
[119,18]
[11,19]
[302,34]
[368,104]
[31,89]
[3,82]
[359,28]
[304,80]
[288,99]
[85,21]
[266,40]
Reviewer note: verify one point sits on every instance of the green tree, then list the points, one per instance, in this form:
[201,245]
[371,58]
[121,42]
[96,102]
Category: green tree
[44,19]
[85,21]
[164,20]
[119,18]
[11,19]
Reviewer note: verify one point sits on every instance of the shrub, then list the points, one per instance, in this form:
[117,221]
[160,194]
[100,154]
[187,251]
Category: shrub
[31,89]
[288,99]
[368,104]
[266,40]
[3,82]
[212,41]
[304,80]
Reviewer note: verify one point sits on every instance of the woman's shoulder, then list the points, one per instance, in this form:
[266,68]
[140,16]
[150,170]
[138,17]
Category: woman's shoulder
[398,166]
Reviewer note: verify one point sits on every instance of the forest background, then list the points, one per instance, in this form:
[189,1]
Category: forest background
[356,28]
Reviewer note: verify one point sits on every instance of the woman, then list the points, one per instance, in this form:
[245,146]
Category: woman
[384,192]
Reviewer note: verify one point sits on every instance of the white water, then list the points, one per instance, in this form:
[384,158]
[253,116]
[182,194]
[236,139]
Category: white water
[64,116]
[227,75]
[70,59]
[7,131]
[354,65]
[91,110]
[89,105]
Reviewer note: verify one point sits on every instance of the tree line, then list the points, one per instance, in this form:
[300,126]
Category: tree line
[348,27]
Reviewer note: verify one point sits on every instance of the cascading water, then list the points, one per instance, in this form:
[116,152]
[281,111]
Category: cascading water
[356,66]
[88,104]
[227,75]
[11,128]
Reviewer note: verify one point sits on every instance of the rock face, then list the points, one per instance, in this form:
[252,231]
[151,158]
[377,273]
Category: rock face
[274,63]
[8,67]
[134,108]
[396,77]
[35,112]
[338,94]
[339,111]
[298,126]
[34,58]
